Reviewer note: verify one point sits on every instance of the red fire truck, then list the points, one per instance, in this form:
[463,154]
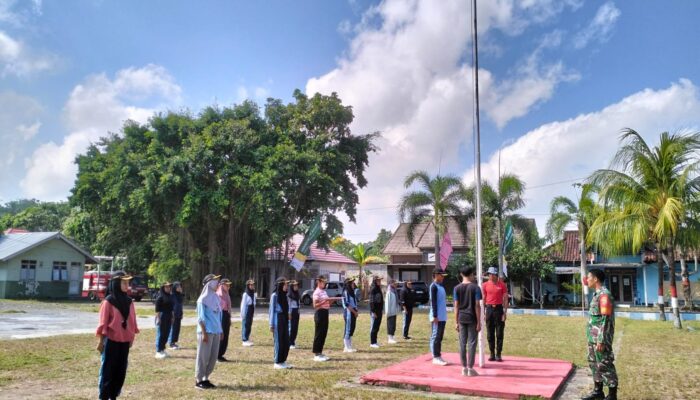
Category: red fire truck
[95,284]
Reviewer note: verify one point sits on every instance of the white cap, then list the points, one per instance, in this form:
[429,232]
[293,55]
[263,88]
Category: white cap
[493,271]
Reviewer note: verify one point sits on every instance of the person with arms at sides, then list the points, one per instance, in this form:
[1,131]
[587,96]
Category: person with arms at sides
[225,300]
[247,311]
[407,303]
[279,323]
[209,332]
[178,300]
[322,303]
[376,307]
[115,335]
[293,298]
[437,315]
[599,334]
[349,314]
[164,318]
[467,296]
[496,300]
[391,309]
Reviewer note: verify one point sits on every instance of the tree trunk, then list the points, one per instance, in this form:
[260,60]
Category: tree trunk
[660,292]
[687,289]
[539,280]
[584,272]
[674,292]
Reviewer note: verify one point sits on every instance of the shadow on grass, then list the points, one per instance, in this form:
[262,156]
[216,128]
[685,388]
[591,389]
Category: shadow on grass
[250,388]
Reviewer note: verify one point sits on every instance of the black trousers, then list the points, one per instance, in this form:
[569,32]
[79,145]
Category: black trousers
[163,331]
[391,325]
[294,327]
[376,322]
[407,317]
[321,330]
[226,326]
[281,336]
[115,357]
[175,330]
[494,328]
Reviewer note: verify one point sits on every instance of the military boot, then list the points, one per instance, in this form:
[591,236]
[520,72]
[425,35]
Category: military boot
[612,393]
[596,394]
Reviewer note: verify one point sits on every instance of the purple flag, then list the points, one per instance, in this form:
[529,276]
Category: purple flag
[445,250]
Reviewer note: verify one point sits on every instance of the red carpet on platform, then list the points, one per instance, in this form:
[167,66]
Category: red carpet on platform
[510,379]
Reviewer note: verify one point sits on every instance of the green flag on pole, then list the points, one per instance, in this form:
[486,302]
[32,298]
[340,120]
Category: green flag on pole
[303,251]
[508,237]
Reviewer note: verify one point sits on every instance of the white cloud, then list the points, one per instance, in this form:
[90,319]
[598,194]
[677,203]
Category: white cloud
[17,13]
[19,123]
[562,151]
[600,28]
[95,108]
[404,74]
[17,59]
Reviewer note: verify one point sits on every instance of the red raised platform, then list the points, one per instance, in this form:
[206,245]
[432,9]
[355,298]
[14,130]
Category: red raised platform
[510,379]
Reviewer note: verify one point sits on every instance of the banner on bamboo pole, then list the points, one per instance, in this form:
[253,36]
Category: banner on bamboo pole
[303,251]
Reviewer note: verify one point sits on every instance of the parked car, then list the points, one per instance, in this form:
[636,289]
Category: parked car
[95,284]
[333,288]
[420,291]
[138,288]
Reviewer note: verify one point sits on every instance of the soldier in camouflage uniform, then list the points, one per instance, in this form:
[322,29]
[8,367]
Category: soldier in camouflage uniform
[600,331]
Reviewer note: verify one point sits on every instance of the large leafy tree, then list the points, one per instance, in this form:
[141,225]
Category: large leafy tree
[34,216]
[223,185]
[582,212]
[645,197]
[501,204]
[437,199]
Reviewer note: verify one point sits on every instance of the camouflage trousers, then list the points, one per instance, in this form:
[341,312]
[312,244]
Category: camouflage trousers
[602,365]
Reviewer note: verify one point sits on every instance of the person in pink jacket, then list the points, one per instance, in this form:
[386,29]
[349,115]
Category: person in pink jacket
[115,335]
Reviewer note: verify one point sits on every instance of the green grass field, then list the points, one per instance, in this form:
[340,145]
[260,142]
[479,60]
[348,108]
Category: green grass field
[655,361]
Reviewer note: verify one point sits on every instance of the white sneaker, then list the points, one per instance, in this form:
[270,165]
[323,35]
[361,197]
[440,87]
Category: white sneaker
[349,350]
[292,347]
[374,346]
[287,366]
[247,344]
[160,355]
[278,366]
[391,340]
[472,372]
[465,371]
[439,361]
[320,358]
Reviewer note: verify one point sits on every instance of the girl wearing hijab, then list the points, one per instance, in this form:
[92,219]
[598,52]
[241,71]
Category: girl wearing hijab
[225,299]
[391,309]
[376,307]
[247,311]
[350,313]
[164,319]
[279,323]
[293,299]
[178,299]
[209,332]
[115,335]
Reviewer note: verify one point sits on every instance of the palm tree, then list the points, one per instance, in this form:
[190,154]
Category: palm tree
[362,257]
[564,212]
[644,195]
[501,205]
[438,200]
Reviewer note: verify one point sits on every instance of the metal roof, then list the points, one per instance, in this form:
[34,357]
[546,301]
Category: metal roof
[14,244]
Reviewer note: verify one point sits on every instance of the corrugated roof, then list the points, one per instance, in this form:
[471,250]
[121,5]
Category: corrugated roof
[424,237]
[315,253]
[14,244]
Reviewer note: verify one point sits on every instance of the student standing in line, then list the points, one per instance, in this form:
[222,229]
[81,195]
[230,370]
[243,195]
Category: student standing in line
[178,300]
[164,319]
[407,303]
[376,306]
[293,298]
[468,318]
[209,332]
[349,314]
[496,301]
[225,300]
[322,303]
[391,309]
[279,323]
[437,315]
[247,312]
[115,335]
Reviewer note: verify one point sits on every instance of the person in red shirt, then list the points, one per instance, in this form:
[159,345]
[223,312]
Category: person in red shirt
[496,303]
[115,335]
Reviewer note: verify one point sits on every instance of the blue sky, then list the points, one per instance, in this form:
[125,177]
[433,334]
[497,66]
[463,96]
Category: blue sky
[559,80]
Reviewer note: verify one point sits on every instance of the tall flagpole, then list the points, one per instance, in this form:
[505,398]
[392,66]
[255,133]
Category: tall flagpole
[477,163]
